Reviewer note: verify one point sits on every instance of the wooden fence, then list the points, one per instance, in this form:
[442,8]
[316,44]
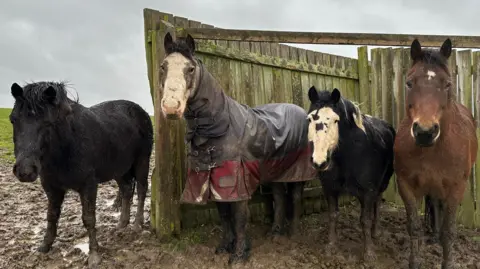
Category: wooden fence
[256,73]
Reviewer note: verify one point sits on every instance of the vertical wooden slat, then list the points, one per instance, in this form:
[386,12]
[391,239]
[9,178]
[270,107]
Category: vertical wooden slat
[363,79]
[452,66]
[297,90]
[387,83]
[375,89]
[286,75]
[328,79]
[398,86]
[257,77]
[278,85]
[476,94]
[464,62]
[335,80]
[246,77]
[235,74]
[267,74]
[304,78]
[312,78]
[320,78]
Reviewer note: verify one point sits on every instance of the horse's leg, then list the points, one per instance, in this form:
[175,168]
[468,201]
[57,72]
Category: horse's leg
[117,203]
[376,220]
[368,204]
[141,177]
[434,218]
[295,200]
[241,249]
[127,193]
[55,199]
[279,210]
[332,204]
[228,238]
[448,231]
[88,198]
[413,221]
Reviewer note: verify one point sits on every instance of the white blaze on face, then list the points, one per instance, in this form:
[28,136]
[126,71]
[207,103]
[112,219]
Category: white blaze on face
[175,92]
[430,74]
[323,132]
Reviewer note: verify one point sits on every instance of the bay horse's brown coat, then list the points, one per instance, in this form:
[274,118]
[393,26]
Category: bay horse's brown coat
[441,169]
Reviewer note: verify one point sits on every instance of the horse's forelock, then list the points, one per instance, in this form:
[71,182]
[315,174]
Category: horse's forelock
[34,96]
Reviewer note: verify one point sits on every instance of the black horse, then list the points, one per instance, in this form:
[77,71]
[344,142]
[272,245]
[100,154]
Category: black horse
[233,148]
[354,155]
[73,147]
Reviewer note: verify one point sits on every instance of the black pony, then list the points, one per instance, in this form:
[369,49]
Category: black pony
[72,147]
[353,154]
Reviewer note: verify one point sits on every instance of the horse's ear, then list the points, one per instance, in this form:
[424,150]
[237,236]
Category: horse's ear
[16,90]
[415,49]
[335,96]
[190,43]
[313,94]
[50,94]
[168,42]
[446,48]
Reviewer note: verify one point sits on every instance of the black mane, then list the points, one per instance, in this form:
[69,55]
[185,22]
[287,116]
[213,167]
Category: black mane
[33,94]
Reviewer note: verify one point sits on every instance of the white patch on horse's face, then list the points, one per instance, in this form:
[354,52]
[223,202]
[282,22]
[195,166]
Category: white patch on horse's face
[430,74]
[323,132]
[176,91]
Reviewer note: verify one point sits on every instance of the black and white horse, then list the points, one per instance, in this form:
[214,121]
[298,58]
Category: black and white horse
[232,148]
[353,153]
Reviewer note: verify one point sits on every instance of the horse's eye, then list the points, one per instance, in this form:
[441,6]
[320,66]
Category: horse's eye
[409,84]
[191,70]
[410,106]
[162,68]
[336,121]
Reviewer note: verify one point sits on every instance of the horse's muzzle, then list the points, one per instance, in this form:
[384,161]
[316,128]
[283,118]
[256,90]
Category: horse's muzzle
[321,166]
[25,171]
[425,137]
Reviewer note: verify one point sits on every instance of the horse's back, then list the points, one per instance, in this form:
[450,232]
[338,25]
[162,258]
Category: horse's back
[122,121]
[286,122]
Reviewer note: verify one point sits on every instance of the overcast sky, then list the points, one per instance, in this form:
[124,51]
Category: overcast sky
[98,45]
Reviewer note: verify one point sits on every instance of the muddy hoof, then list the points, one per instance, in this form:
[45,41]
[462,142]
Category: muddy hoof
[224,248]
[432,240]
[137,227]
[369,256]
[414,264]
[122,224]
[238,258]
[93,260]
[44,248]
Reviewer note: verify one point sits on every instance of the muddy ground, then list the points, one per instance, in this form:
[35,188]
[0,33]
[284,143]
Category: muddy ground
[23,223]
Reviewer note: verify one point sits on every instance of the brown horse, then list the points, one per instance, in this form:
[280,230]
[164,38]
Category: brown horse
[435,147]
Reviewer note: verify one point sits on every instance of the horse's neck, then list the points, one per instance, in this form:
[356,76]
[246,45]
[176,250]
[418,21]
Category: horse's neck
[208,97]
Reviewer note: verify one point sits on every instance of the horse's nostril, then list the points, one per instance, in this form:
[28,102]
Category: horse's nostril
[436,127]
[311,159]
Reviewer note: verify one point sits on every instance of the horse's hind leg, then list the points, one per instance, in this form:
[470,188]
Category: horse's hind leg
[376,220]
[125,184]
[368,204]
[141,177]
[226,219]
[433,218]
[117,203]
[279,210]
[241,250]
[295,191]
[88,199]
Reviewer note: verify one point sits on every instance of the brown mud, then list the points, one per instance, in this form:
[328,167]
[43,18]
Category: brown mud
[23,223]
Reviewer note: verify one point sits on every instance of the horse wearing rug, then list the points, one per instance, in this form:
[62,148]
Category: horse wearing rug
[233,148]
[354,155]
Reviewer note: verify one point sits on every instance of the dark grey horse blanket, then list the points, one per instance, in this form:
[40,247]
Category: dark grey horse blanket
[232,148]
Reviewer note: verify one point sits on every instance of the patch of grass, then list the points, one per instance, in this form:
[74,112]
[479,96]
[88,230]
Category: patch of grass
[6,141]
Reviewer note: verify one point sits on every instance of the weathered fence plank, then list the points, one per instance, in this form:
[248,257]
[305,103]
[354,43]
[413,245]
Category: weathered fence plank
[476,95]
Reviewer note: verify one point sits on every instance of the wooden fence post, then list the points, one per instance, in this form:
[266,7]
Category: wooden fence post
[168,167]
[363,80]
